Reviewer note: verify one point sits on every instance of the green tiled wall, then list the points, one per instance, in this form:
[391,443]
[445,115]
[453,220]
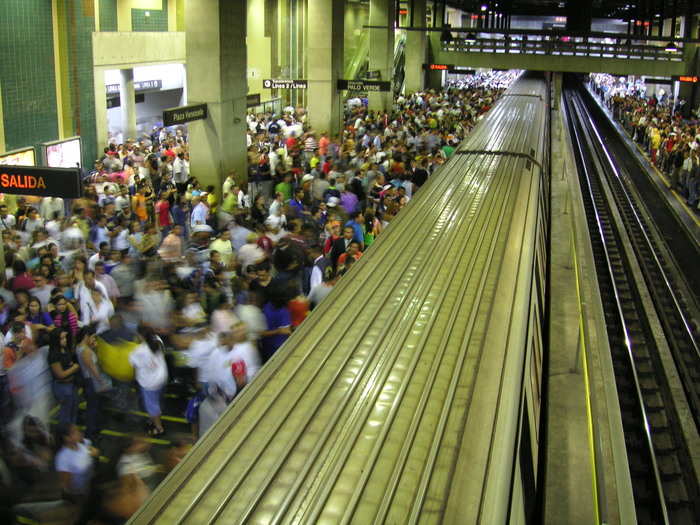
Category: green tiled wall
[79,30]
[157,21]
[108,15]
[27,72]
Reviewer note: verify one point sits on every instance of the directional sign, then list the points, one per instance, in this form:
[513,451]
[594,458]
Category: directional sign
[687,78]
[183,114]
[41,182]
[252,100]
[276,83]
[145,85]
[363,85]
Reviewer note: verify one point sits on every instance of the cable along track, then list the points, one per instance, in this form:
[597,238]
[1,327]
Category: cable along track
[665,490]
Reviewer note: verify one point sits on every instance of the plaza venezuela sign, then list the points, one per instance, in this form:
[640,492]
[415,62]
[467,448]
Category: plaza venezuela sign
[40,182]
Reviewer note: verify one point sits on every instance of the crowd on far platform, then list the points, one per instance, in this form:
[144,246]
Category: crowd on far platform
[152,280]
[656,122]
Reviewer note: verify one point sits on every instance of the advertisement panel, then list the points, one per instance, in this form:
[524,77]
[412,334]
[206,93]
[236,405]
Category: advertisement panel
[19,157]
[62,153]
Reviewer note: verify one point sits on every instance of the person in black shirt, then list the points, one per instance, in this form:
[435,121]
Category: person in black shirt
[420,174]
[64,367]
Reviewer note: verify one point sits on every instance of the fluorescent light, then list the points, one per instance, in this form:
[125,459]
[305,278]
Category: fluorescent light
[671,47]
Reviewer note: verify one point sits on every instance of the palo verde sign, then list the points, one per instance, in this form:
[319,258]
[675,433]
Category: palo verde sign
[40,182]
[183,114]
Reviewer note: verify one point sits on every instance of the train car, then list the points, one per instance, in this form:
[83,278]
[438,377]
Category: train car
[412,394]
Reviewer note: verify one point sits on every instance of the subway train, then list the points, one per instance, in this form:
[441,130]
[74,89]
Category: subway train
[412,394]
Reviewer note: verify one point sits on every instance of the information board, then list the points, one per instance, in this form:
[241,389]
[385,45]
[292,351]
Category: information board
[174,116]
[40,182]
[276,83]
[364,85]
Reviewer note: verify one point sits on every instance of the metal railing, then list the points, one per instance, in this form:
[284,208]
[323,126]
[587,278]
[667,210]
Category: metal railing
[555,46]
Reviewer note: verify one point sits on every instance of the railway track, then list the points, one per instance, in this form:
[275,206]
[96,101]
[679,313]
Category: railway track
[665,489]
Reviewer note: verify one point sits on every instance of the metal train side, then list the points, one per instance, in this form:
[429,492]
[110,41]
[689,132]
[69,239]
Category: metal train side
[412,394]
[517,127]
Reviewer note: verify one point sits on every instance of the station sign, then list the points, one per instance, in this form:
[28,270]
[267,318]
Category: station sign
[373,74]
[692,79]
[252,100]
[450,68]
[182,114]
[40,182]
[145,85]
[276,83]
[364,85]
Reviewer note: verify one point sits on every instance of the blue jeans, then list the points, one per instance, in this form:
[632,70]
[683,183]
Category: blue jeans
[67,397]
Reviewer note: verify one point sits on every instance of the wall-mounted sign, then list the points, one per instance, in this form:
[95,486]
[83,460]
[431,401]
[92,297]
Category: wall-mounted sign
[436,67]
[687,78]
[174,116]
[252,100]
[364,85]
[41,182]
[145,85]
[115,102]
[373,74]
[276,83]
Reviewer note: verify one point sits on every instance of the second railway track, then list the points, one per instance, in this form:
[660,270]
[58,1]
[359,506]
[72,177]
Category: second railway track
[665,488]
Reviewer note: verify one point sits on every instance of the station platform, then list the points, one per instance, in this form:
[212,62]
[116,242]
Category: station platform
[689,217]
[586,478]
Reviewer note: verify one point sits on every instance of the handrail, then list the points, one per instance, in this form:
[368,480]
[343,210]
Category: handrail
[557,47]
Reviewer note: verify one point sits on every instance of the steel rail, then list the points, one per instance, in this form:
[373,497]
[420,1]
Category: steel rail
[587,177]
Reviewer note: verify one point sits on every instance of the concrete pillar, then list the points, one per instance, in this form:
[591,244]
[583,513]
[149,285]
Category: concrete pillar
[325,63]
[557,79]
[381,48]
[127,100]
[259,48]
[216,75]
[416,43]
[433,79]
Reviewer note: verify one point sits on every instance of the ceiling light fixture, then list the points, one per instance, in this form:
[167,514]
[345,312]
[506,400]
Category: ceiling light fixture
[671,47]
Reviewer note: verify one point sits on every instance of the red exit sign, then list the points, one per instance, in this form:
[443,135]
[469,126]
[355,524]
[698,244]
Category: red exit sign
[687,78]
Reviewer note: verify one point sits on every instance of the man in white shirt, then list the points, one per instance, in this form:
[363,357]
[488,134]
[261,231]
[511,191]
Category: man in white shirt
[181,173]
[50,206]
[7,221]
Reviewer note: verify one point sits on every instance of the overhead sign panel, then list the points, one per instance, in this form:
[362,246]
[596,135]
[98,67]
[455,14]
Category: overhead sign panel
[276,83]
[687,78]
[41,182]
[450,68]
[364,85]
[174,116]
[145,85]
[252,100]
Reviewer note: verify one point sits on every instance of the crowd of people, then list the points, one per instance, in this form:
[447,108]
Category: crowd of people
[671,142]
[151,279]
